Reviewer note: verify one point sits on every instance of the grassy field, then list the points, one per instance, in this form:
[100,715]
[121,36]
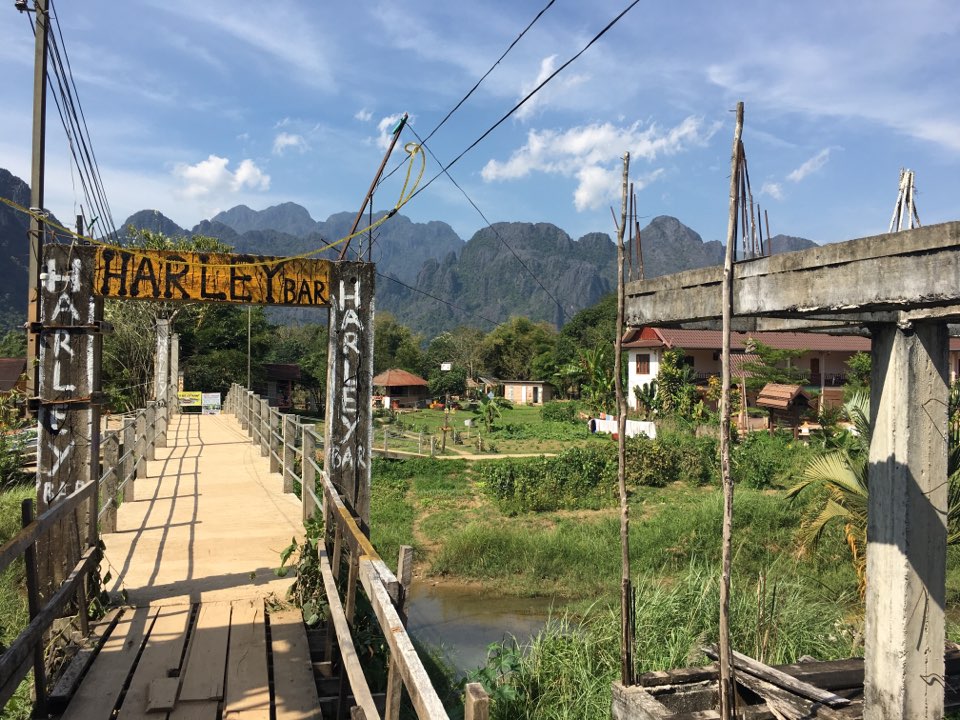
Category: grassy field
[13,600]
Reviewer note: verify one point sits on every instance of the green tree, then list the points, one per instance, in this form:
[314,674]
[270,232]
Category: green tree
[452,382]
[306,346]
[490,408]
[599,387]
[395,346]
[772,366]
[514,350]
[13,344]
[676,393]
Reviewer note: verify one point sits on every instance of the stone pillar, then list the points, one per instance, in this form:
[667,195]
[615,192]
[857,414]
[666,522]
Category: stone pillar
[906,529]
[161,380]
[173,406]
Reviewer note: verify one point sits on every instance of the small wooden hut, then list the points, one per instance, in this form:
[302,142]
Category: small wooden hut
[786,403]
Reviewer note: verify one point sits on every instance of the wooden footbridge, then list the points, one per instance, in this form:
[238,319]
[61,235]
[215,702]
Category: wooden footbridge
[193,513]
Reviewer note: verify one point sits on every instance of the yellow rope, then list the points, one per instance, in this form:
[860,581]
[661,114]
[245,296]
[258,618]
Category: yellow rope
[412,150]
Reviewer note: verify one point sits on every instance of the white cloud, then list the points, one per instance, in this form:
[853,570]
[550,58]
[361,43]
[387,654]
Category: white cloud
[773,189]
[590,154]
[385,126]
[560,83]
[286,140]
[810,166]
[363,115]
[212,176]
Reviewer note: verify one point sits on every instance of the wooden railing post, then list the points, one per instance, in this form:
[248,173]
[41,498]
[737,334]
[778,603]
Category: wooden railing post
[289,451]
[130,464]
[273,446]
[394,678]
[33,603]
[476,702]
[308,473]
[111,454]
[160,436]
[140,444]
[151,430]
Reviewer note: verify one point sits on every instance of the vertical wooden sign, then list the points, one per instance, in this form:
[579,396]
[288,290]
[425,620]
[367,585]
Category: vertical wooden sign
[64,414]
[349,426]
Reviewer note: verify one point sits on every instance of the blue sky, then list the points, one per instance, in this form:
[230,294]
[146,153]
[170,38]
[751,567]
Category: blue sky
[195,107]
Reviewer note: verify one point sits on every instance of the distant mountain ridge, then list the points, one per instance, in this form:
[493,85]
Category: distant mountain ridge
[493,276]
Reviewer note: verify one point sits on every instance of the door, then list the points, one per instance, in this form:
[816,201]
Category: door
[814,371]
[536,395]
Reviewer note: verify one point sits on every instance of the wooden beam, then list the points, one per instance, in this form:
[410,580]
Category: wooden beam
[422,694]
[348,653]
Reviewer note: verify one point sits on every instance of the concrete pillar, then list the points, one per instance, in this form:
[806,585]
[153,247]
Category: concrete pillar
[161,380]
[906,529]
[172,404]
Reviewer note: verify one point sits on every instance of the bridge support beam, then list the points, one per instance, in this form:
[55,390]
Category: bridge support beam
[161,379]
[907,522]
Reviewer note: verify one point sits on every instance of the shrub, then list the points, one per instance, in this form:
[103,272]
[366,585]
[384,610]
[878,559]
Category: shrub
[578,478]
[761,460]
[560,412]
[672,456]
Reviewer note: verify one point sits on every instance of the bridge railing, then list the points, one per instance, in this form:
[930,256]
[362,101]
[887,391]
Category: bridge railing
[293,448]
[125,452]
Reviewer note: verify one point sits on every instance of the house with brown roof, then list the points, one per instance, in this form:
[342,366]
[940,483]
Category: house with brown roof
[398,388]
[527,392]
[13,375]
[823,361]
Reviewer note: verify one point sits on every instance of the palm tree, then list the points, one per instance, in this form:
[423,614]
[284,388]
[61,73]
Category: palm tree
[843,476]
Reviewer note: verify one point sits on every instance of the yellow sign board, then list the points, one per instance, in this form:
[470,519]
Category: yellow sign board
[190,398]
[211,277]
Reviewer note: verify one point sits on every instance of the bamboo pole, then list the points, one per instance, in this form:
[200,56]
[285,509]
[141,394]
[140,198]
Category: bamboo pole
[727,689]
[626,589]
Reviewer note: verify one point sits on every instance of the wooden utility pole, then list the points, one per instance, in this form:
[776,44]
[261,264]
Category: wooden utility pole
[37,226]
[626,586]
[727,688]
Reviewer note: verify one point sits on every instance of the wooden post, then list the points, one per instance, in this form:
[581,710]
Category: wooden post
[130,465]
[111,455]
[289,451]
[626,586]
[727,681]
[476,702]
[65,401]
[252,414]
[349,610]
[349,427]
[273,445]
[394,679]
[264,427]
[151,431]
[173,407]
[308,473]
[33,603]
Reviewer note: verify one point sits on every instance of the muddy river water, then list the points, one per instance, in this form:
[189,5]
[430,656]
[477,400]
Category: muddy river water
[462,623]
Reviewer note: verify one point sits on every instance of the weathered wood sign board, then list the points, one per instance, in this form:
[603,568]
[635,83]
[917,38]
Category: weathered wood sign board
[169,275]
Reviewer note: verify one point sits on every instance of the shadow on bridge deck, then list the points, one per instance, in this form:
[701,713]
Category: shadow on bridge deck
[207,522]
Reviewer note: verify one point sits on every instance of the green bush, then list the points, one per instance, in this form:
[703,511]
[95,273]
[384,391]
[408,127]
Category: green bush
[672,456]
[544,431]
[578,478]
[761,460]
[561,412]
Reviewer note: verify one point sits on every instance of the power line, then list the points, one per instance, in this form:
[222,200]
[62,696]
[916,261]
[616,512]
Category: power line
[477,84]
[440,300]
[536,279]
[527,97]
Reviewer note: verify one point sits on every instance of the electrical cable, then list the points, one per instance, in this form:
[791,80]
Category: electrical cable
[477,84]
[527,97]
[440,300]
[532,274]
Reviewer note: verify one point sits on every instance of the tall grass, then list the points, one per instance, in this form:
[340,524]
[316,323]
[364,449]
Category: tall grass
[566,670]
[13,602]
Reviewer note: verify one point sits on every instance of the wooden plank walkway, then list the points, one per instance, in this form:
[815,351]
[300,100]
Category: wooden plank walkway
[195,550]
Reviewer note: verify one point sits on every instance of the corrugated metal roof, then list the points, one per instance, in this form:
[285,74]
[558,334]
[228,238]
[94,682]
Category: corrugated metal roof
[10,371]
[398,378]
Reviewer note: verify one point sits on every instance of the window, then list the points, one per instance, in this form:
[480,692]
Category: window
[643,363]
